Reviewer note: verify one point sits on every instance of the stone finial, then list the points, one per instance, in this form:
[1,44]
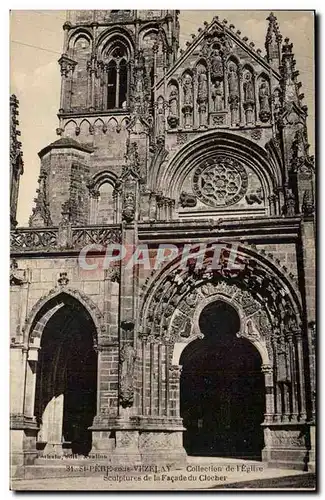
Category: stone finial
[287,47]
[273,41]
[63,279]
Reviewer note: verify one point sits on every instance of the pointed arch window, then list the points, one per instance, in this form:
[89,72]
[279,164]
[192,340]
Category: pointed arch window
[117,78]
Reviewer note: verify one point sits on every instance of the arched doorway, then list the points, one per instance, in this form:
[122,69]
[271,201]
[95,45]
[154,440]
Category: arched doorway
[222,389]
[66,380]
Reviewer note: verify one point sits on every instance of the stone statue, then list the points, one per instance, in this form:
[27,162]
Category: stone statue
[128,212]
[264,100]
[160,122]
[290,203]
[127,359]
[188,90]
[264,97]
[233,81]
[308,205]
[173,101]
[216,66]
[277,101]
[202,87]
[248,88]
[217,96]
[139,81]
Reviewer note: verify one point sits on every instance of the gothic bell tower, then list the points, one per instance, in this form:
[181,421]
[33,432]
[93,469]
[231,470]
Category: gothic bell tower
[100,55]
[110,63]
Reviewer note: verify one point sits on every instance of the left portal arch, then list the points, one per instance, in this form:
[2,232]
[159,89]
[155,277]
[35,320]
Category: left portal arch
[61,377]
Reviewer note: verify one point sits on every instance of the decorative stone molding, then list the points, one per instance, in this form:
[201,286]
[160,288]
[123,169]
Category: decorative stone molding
[63,280]
[17,276]
[39,239]
[187,200]
[113,274]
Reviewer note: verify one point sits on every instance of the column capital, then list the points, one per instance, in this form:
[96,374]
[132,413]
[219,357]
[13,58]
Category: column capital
[267,368]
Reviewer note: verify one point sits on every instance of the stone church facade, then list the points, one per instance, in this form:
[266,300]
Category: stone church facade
[159,146]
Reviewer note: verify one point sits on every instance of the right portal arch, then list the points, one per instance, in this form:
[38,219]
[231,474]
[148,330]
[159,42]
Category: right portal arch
[222,388]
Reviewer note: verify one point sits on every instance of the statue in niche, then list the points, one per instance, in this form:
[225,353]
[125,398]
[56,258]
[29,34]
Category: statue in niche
[173,101]
[216,66]
[264,97]
[188,90]
[277,101]
[233,82]
[128,212]
[249,99]
[264,100]
[139,80]
[233,98]
[202,96]
[290,204]
[217,96]
[202,87]
[173,107]
[248,88]
[160,122]
[127,359]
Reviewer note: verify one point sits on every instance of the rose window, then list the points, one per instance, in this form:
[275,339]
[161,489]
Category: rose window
[220,181]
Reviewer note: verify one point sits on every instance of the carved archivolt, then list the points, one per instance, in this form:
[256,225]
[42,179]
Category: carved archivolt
[170,176]
[268,300]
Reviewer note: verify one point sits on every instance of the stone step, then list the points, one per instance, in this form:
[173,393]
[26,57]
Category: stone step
[63,470]
[71,461]
[70,468]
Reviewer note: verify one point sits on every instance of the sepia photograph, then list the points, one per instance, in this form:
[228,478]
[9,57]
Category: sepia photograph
[162,250]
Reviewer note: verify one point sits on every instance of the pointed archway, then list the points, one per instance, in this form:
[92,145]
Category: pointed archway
[66,377]
[222,388]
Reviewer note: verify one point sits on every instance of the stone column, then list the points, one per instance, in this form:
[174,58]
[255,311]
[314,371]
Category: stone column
[152,382]
[94,196]
[300,359]
[144,375]
[64,76]
[241,110]
[117,91]
[30,382]
[292,361]
[195,122]
[269,394]
[167,374]
[53,425]
[159,382]
[272,204]
[312,362]
[175,375]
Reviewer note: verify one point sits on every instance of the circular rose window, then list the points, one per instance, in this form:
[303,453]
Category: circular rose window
[220,181]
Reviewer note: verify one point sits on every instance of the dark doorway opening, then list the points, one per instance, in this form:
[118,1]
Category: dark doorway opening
[68,367]
[222,389]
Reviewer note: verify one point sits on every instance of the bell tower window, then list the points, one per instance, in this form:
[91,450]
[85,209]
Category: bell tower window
[117,78]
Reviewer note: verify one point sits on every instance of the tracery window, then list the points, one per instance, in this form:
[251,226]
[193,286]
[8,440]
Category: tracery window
[105,204]
[117,78]
[220,181]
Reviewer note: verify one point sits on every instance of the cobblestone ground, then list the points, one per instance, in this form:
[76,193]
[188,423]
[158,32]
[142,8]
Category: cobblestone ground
[200,473]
